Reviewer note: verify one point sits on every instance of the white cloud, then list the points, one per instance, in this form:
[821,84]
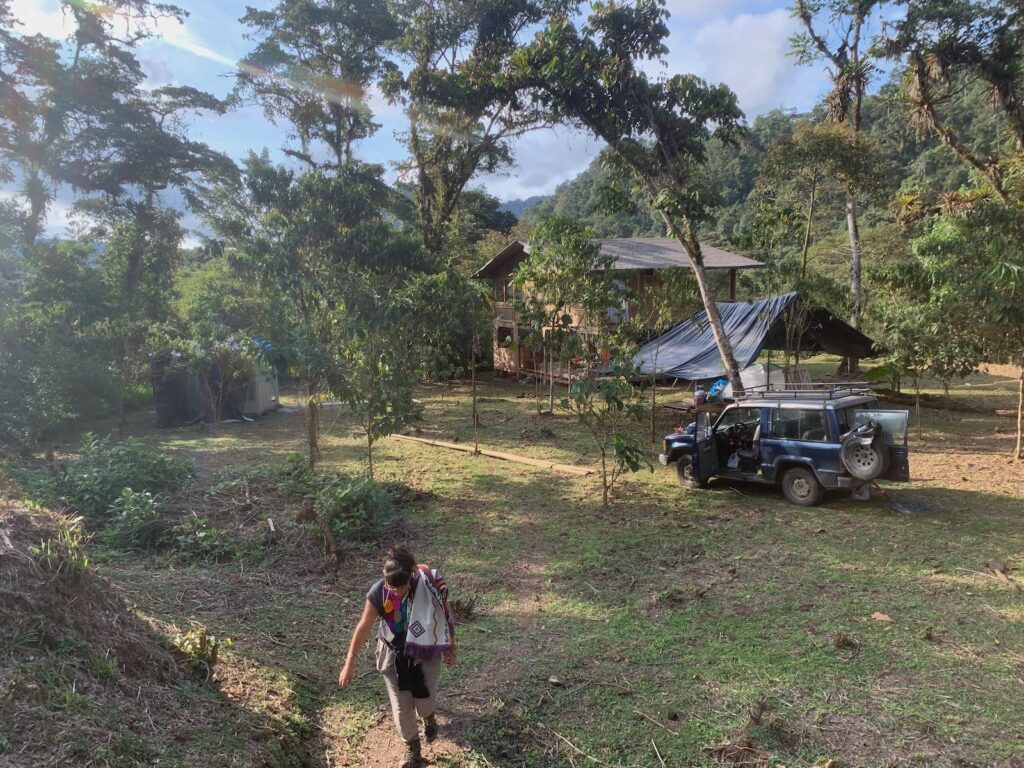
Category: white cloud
[159,71]
[47,17]
[59,214]
[40,17]
[544,160]
[177,34]
[380,106]
[750,53]
[707,9]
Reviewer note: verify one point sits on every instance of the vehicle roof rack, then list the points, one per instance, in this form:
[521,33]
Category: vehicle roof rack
[821,391]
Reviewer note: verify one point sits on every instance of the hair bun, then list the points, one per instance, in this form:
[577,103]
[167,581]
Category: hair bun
[399,566]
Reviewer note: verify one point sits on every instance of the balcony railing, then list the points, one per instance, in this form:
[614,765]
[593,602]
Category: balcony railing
[505,312]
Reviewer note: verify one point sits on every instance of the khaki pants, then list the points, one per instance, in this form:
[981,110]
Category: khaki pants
[405,707]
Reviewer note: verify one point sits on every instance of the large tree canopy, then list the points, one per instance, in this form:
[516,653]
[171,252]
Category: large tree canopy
[657,130]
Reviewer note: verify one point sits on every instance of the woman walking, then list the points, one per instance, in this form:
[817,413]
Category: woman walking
[415,632]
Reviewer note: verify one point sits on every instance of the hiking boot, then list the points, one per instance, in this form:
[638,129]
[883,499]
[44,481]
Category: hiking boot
[430,728]
[412,758]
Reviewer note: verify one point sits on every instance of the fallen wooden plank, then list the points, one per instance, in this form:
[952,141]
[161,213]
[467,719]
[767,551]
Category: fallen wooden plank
[1004,412]
[541,463]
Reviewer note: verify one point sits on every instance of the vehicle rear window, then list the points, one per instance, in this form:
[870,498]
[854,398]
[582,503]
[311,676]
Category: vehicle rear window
[799,424]
[845,415]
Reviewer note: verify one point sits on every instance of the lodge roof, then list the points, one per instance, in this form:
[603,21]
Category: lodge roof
[631,253]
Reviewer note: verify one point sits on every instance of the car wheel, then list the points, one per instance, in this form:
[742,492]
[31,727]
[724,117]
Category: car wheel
[685,475]
[801,487]
[865,462]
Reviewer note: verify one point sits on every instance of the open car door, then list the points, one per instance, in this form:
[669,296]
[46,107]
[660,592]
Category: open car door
[895,429]
[706,453]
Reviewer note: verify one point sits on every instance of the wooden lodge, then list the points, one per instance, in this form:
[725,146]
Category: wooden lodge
[639,259]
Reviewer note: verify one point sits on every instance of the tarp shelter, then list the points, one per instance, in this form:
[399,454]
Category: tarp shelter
[180,400]
[688,350]
[178,396]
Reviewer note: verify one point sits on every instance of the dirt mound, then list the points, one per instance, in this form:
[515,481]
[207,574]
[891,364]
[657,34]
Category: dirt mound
[50,600]
[77,667]
[85,679]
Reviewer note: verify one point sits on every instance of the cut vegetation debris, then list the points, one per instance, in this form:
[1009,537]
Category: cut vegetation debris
[84,680]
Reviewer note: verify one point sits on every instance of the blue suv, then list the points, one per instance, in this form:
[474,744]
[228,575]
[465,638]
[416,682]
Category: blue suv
[805,441]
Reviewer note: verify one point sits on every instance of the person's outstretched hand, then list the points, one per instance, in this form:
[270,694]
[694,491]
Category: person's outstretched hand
[345,677]
[449,657]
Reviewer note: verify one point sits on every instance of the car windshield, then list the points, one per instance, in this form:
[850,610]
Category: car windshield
[750,417]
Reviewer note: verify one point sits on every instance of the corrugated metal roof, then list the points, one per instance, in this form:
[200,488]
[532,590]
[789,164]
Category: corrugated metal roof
[631,253]
[666,253]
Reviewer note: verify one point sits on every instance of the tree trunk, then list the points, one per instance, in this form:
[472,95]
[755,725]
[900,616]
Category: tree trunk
[476,415]
[551,385]
[732,369]
[807,231]
[536,378]
[369,451]
[855,259]
[654,404]
[1018,454]
[654,390]
[37,212]
[551,372]
[604,479]
[692,248]
[215,409]
[917,405]
[312,431]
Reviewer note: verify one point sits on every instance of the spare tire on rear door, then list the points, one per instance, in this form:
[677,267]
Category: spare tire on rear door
[864,451]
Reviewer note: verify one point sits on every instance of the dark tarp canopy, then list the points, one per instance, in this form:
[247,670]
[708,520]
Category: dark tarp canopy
[688,350]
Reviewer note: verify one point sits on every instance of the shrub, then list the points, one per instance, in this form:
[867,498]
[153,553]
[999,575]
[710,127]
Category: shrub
[464,608]
[94,481]
[32,399]
[196,541]
[291,477]
[135,522]
[353,508]
[64,556]
[201,648]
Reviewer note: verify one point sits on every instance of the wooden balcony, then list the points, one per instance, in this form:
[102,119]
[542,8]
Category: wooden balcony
[505,313]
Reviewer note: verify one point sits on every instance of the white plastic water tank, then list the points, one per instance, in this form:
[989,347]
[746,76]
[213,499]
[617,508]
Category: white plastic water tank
[757,375]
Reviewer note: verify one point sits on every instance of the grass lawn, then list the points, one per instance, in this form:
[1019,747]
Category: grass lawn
[608,636]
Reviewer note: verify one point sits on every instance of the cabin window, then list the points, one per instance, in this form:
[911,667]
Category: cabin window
[619,314]
[503,336]
[507,290]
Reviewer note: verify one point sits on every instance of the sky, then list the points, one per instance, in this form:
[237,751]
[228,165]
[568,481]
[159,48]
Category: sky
[743,43]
